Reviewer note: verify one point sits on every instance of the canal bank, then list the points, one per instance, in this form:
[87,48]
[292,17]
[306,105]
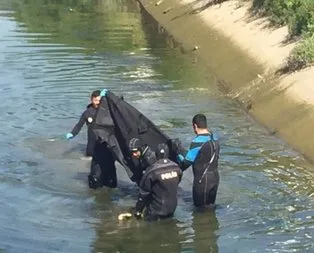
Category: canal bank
[245,57]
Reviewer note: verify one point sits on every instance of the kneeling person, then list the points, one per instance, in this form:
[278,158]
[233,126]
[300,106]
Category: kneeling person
[159,187]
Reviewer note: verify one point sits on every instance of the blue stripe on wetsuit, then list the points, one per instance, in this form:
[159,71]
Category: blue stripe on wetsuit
[192,154]
[194,150]
[201,139]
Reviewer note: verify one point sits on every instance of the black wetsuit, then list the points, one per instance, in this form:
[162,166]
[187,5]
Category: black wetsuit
[87,117]
[203,155]
[158,190]
[103,169]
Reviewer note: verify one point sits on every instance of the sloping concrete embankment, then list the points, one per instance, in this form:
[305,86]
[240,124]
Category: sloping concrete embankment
[245,58]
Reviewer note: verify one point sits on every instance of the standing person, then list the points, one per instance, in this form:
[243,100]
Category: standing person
[203,155]
[159,184]
[87,118]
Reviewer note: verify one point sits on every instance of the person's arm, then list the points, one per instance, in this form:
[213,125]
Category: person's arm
[142,202]
[77,128]
[187,159]
[179,152]
[183,160]
[144,194]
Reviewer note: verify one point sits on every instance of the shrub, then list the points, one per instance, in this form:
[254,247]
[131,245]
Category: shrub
[301,18]
[302,55]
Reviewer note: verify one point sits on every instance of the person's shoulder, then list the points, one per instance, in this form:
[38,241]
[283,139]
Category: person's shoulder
[201,138]
[166,162]
[147,171]
[89,107]
[175,166]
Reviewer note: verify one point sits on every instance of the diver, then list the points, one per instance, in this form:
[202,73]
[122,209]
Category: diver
[87,118]
[159,185]
[203,155]
[103,169]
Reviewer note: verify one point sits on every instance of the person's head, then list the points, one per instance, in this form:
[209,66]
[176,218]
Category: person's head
[199,123]
[142,152]
[162,151]
[95,98]
[135,147]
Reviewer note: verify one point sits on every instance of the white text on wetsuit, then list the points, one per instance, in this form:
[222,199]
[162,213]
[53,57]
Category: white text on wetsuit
[169,175]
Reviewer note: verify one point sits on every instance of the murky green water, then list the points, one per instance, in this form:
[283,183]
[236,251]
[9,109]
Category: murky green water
[52,54]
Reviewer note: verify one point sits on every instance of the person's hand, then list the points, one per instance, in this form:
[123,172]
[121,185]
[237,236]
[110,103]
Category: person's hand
[103,93]
[139,207]
[175,145]
[138,215]
[69,136]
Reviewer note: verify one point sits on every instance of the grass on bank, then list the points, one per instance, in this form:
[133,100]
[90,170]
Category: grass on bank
[299,16]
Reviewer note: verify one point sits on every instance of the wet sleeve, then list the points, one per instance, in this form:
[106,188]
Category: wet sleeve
[145,185]
[77,128]
[144,194]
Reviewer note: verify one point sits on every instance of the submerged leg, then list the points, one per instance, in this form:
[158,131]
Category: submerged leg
[204,193]
[103,170]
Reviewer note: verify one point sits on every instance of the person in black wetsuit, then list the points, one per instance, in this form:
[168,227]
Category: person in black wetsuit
[103,169]
[87,118]
[203,155]
[159,184]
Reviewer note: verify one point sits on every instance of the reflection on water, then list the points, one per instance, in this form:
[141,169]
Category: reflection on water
[52,54]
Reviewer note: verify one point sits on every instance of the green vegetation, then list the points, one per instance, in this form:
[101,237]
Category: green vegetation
[299,16]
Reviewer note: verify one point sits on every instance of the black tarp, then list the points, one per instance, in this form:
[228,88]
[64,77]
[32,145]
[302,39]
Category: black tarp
[117,122]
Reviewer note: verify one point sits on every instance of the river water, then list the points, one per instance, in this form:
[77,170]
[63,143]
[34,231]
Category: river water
[52,55]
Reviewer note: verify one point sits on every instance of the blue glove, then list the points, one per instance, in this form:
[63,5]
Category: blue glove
[69,136]
[103,92]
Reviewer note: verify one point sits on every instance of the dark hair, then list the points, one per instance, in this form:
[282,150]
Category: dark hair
[95,93]
[200,120]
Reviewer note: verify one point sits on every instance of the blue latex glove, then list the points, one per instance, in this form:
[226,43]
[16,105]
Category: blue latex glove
[69,136]
[103,92]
